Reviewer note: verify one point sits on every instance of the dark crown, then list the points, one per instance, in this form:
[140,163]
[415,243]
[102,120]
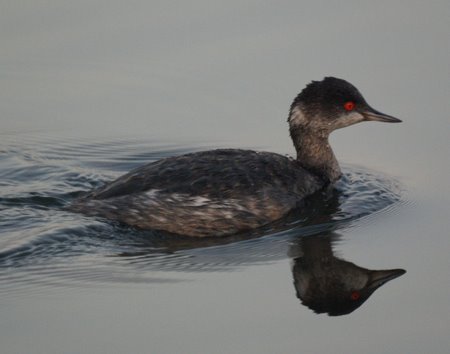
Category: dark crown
[327,95]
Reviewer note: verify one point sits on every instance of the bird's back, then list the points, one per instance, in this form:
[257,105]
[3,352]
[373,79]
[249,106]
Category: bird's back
[208,193]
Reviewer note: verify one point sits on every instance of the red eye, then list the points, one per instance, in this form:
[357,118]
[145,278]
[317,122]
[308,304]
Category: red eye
[355,295]
[349,106]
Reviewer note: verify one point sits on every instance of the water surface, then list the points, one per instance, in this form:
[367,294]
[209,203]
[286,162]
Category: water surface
[90,90]
[44,241]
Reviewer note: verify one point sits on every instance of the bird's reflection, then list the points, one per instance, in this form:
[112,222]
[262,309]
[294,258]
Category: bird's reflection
[323,282]
[328,284]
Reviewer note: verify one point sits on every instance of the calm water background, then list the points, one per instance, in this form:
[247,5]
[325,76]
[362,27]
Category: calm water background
[89,89]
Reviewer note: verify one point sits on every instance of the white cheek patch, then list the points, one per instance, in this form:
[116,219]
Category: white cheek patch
[348,119]
[297,117]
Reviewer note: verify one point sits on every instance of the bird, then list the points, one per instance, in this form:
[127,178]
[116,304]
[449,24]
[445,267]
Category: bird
[223,192]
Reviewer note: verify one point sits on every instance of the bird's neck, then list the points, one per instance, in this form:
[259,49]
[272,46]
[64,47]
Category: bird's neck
[313,149]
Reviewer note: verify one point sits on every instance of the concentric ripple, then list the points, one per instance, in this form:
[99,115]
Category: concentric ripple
[41,243]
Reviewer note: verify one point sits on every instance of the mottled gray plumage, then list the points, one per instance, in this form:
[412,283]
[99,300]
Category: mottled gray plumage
[216,192]
[223,192]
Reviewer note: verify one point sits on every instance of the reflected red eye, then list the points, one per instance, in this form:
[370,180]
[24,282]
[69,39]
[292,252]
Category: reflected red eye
[355,295]
[349,106]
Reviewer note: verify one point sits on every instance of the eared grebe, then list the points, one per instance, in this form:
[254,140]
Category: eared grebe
[226,191]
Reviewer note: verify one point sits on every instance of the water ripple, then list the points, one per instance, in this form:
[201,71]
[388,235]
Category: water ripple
[40,243]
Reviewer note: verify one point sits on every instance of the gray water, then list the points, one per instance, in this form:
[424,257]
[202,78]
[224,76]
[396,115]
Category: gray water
[89,90]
